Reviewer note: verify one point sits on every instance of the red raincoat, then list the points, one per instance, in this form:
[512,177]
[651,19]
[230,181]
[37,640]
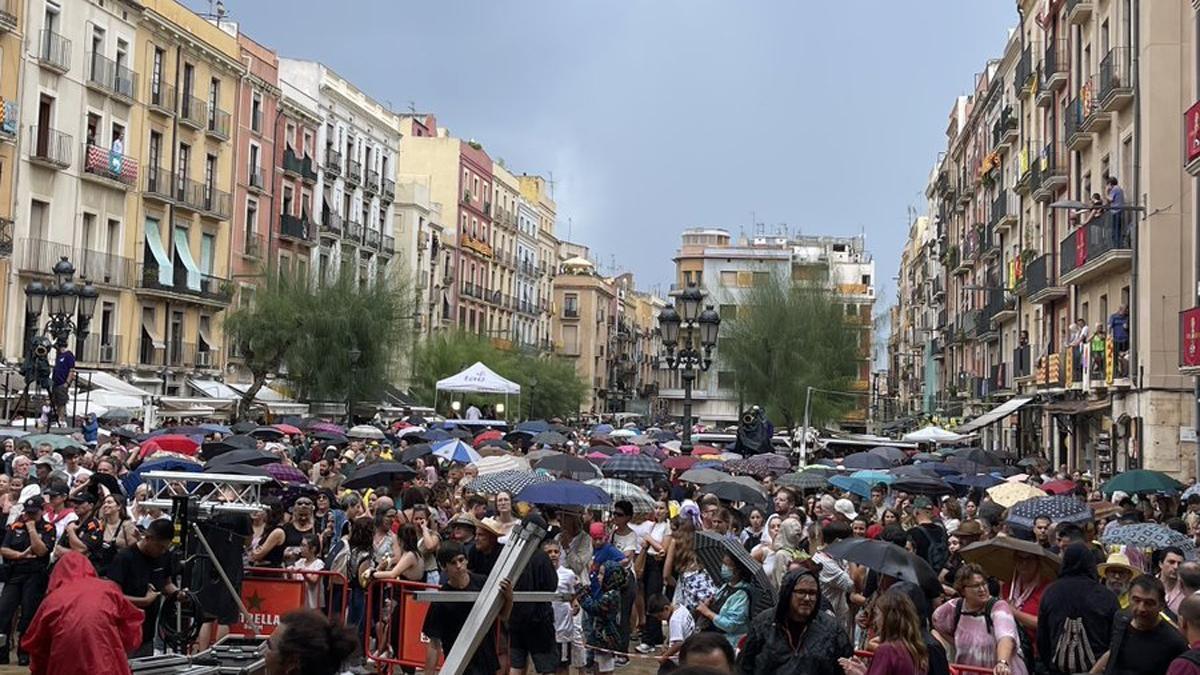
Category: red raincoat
[86,621]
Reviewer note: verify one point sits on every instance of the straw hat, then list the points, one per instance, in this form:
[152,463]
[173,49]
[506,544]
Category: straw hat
[1117,561]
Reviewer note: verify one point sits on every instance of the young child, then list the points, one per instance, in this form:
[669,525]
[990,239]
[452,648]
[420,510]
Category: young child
[567,630]
[309,561]
[680,625]
[603,607]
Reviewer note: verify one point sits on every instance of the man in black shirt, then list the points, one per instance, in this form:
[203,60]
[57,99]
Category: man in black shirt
[445,619]
[229,536]
[146,574]
[532,637]
[26,552]
[1141,641]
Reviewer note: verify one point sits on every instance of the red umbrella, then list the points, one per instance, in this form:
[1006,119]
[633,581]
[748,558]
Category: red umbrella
[596,456]
[629,450]
[288,429]
[681,462]
[489,435]
[704,450]
[1059,487]
[175,443]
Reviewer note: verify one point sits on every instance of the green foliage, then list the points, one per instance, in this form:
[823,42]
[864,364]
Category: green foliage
[558,391]
[785,339]
[308,333]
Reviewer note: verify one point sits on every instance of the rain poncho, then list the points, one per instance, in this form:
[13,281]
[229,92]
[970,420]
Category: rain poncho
[85,621]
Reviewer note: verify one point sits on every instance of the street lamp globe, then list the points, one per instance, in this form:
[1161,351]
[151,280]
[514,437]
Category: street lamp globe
[668,321]
[70,297]
[709,322]
[689,302]
[35,298]
[63,270]
[54,300]
[88,295]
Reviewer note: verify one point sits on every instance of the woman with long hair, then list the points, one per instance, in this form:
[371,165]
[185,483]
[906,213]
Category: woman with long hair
[118,532]
[307,642]
[408,566]
[692,583]
[504,512]
[358,562]
[654,553]
[890,517]
[901,649]
[267,537]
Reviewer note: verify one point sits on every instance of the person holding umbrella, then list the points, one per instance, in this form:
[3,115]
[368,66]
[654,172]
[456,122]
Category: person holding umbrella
[729,611]
[795,637]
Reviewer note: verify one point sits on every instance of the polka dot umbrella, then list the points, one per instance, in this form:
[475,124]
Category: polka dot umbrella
[1058,508]
[1151,536]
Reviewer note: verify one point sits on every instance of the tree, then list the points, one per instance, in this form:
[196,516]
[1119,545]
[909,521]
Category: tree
[785,339]
[558,391]
[308,333]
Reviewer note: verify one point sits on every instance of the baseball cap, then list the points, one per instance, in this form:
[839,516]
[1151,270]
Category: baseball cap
[48,460]
[846,508]
[922,502]
[56,488]
[34,504]
[82,497]
[596,530]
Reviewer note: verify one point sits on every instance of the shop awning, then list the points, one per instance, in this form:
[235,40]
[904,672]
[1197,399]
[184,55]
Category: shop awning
[151,331]
[184,253]
[273,401]
[206,336]
[159,253]
[1079,407]
[99,379]
[995,414]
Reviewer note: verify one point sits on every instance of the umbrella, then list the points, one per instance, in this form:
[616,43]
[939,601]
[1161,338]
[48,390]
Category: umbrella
[1008,494]
[1193,490]
[251,456]
[283,473]
[997,556]
[621,490]
[601,430]
[699,450]
[455,432]
[239,470]
[455,450]
[489,435]
[365,431]
[888,559]
[711,550]
[662,436]
[1148,536]
[623,433]
[535,455]
[927,457]
[1059,487]
[533,426]
[320,425]
[980,481]
[549,438]
[1030,462]
[498,443]
[266,433]
[512,482]
[802,480]
[329,437]
[681,462]
[865,460]
[414,452]
[488,465]
[637,465]
[288,429]
[597,457]
[436,435]
[379,474]
[893,455]
[116,415]
[923,485]
[244,426]
[748,482]
[853,485]
[932,434]
[56,441]
[932,469]
[181,445]
[706,476]
[131,480]
[211,428]
[735,492]
[873,477]
[214,449]
[766,464]
[569,466]
[1058,508]
[629,450]
[976,455]
[564,492]
[1141,481]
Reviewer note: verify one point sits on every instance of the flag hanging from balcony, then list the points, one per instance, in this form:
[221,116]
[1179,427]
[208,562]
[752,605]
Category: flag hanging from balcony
[111,164]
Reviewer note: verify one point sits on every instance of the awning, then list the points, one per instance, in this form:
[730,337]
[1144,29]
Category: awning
[99,379]
[273,401]
[159,253]
[206,335]
[1079,407]
[184,253]
[995,414]
[151,330]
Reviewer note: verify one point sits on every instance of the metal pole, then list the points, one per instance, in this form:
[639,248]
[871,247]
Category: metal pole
[685,446]
[804,429]
[212,557]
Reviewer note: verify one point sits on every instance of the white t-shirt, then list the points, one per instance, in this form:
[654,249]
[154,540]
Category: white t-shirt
[627,543]
[313,597]
[81,475]
[680,627]
[564,622]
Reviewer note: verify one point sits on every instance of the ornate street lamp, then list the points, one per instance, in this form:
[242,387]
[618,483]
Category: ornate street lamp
[689,356]
[70,307]
[354,354]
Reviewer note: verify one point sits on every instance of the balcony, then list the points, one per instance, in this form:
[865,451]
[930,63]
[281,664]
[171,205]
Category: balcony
[1024,72]
[1004,131]
[1027,168]
[8,14]
[1006,311]
[256,180]
[1077,138]
[1191,139]
[1079,11]
[296,228]
[352,232]
[218,123]
[372,239]
[109,77]
[1098,248]
[1055,63]
[292,165]
[1053,169]
[202,198]
[162,97]
[1116,79]
[308,172]
[54,52]
[50,148]
[1094,117]
[151,352]
[109,168]
[211,290]
[193,112]
[253,246]
[353,171]
[38,256]
[333,161]
[159,186]
[1021,363]
[389,245]
[389,190]
[371,186]
[10,115]
[1004,211]
[101,349]
[331,223]
[204,357]
[1038,287]
[989,245]
[969,323]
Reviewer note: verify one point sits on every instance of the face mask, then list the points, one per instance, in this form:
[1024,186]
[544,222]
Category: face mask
[726,573]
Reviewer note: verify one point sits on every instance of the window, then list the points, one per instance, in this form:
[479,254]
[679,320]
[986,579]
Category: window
[255,178]
[251,221]
[214,98]
[156,77]
[112,242]
[210,178]
[256,112]
[729,278]
[866,280]
[571,339]
[89,229]
[185,157]
[571,305]
[288,198]
[762,278]
[726,380]
[39,212]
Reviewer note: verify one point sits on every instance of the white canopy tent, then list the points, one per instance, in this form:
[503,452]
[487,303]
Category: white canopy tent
[479,379]
[933,434]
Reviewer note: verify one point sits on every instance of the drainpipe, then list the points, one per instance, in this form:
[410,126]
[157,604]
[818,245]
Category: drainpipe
[1138,219]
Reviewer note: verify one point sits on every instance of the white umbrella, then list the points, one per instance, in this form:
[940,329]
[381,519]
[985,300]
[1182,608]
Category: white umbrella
[488,465]
[933,434]
[365,431]
[623,433]
[410,430]
[672,446]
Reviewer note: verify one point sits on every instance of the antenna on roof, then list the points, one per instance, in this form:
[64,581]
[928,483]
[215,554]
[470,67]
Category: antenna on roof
[412,107]
[551,182]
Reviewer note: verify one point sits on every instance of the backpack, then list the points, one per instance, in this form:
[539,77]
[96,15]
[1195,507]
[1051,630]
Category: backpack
[1072,650]
[937,553]
[1192,656]
[1024,647]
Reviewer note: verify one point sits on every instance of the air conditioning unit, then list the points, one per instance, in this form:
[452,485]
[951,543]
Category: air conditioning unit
[108,353]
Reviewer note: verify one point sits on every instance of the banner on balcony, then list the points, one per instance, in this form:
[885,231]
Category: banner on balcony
[1189,338]
[1109,359]
[1191,131]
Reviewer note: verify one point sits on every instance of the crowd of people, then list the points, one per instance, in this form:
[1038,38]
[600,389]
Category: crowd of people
[669,573]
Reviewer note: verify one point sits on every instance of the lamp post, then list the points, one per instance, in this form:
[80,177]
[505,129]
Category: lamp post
[533,382]
[70,307]
[355,354]
[694,351]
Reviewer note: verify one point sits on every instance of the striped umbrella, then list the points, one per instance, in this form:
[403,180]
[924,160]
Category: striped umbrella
[511,482]
[622,490]
[636,465]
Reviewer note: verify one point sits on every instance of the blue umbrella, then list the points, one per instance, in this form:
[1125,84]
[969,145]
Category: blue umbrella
[134,478]
[865,460]
[564,492]
[854,485]
[937,468]
[602,429]
[217,429]
[874,477]
[534,426]
[456,451]
[435,435]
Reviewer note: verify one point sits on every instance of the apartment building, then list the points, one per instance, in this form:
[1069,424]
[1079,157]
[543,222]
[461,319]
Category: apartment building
[1086,93]
[502,277]
[586,302]
[537,276]
[12,48]
[912,370]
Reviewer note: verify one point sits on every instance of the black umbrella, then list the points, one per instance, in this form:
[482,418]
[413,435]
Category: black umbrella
[460,433]
[711,549]
[926,457]
[266,433]
[735,492]
[976,455]
[893,455]
[379,474]
[888,559]
[249,456]
[804,480]
[1029,462]
[238,470]
[244,426]
[414,452]
[912,470]
[569,466]
[122,432]
[865,460]
[117,415]
[923,485]
[549,438]
[213,449]
[633,465]
[329,437]
[107,480]
[495,443]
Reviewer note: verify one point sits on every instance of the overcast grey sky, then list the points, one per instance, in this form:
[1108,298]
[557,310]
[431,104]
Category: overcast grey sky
[658,115]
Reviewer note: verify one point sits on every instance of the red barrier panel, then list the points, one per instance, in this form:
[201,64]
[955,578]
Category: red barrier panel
[403,620]
[959,669]
[270,592]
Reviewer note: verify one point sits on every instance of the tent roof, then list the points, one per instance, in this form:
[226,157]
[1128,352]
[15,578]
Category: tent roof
[98,379]
[479,379]
[933,434]
[995,414]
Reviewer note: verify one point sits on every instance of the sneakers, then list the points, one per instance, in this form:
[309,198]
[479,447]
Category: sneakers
[645,648]
[621,661]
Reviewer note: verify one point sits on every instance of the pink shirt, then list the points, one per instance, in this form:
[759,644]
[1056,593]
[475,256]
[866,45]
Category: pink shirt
[973,645]
[892,659]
